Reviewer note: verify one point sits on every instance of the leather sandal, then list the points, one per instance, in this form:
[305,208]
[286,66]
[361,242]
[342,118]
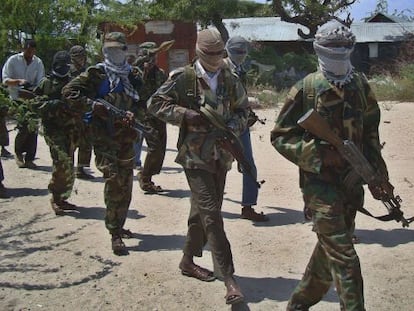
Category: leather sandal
[249,213]
[126,234]
[234,294]
[198,272]
[118,246]
[147,185]
[150,187]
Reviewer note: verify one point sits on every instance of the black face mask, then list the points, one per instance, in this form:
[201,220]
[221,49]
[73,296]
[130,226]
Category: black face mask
[61,70]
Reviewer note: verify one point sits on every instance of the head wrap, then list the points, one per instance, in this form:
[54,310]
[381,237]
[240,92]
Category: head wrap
[237,48]
[116,67]
[210,49]
[60,64]
[78,56]
[334,43]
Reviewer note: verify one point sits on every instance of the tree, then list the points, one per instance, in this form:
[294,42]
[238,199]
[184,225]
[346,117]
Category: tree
[382,7]
[310,13]
[59,24]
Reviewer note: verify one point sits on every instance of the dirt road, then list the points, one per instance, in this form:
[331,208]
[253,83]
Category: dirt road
[65,263]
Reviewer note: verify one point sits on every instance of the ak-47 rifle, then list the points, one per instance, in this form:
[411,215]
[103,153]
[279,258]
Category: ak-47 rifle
[122,114]
[229,140]
[315,124]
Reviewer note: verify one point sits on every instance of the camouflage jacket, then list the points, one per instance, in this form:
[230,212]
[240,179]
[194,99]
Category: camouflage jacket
[93,84]
[352,112]
[186,89]
[54,112]
[151,82]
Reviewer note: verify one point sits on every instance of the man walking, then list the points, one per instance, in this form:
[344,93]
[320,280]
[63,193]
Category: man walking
[344,98]
[24,70]
[206,84]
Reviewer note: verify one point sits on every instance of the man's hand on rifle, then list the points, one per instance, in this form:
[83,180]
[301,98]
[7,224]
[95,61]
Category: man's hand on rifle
[99,109]
[129,119]
[331,157]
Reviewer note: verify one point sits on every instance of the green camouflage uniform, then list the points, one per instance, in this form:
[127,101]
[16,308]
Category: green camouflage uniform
[61,132]
[84,144]
[353,113]
[156,144]
[204,161]
[112,142]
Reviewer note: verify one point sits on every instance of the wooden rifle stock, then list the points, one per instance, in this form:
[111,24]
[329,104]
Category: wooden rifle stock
[315,124]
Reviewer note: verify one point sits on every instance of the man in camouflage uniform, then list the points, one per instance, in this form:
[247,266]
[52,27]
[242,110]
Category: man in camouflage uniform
[344,98]
[61,131]
[78,65]
[206,84]
[113,137]
[153,77]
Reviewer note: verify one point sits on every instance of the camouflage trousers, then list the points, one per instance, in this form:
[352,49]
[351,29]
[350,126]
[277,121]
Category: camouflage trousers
[84,147]
[205,222]
[62,147]
[156,146]
[334,259]
[117,168]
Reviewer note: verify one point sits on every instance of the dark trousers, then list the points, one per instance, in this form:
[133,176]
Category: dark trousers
[156,146]
[1,172]
[4,134]
[85,147]
[26,142]
[205,222]
[84,154]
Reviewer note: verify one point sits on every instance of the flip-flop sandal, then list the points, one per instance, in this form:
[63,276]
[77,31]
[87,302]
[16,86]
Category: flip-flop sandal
[234,295]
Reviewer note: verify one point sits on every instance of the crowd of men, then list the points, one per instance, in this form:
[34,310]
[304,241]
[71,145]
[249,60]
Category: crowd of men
[112,106]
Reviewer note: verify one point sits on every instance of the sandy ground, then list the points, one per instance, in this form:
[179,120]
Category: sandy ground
[66,263]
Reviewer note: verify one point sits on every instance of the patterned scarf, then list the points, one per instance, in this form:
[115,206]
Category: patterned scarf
[334,43]
[118,72]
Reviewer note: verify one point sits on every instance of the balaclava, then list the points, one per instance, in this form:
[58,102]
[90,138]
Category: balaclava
[237,49]
[333,45]
[210,49]
[60,64]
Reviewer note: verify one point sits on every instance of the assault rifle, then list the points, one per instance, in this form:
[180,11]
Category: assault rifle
[315,124]
[122,114]
[229,140]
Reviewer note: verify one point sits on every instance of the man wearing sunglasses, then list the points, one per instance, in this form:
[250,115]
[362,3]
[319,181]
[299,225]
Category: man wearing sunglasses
[113,137]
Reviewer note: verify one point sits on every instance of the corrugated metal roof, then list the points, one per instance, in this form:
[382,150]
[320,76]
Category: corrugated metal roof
[273,29]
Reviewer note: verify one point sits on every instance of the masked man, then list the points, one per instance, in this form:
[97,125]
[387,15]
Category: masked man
[207,84]
[113,136]
[344,98]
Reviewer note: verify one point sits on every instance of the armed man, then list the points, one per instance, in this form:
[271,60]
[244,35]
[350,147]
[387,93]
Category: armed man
[194,98]
[113,136]
[78,65]
[342,97]
[153,77]
[61,129]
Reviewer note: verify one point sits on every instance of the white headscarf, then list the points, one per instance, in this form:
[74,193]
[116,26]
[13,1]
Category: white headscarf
[333,45]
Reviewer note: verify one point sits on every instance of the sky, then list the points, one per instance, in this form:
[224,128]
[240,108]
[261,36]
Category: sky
[362,8]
